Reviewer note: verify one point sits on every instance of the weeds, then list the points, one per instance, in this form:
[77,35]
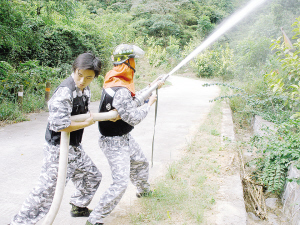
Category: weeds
[277,150]
[172,171]
[10,111]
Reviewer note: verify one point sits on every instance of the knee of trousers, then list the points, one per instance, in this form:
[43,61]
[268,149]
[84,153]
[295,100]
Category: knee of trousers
[121,183]
[140,166]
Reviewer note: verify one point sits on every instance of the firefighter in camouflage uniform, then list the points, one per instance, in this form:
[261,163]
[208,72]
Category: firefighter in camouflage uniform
[72,97]
[124,155]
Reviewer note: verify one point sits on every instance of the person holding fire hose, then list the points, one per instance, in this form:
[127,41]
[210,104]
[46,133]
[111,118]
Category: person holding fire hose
[124,155]
[72,97]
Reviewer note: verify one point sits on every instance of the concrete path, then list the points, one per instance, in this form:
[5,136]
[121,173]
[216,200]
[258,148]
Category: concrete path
[181,109]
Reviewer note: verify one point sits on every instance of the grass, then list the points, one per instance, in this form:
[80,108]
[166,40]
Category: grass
[188,189]
[10,111]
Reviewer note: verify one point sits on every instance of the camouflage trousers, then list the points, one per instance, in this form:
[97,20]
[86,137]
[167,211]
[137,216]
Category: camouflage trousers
[127,162]
[81,170]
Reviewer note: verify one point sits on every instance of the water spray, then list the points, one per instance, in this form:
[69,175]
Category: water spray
[224,27]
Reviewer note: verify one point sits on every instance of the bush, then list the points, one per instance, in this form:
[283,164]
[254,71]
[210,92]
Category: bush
[34,77]
[63,45]
[278,150]
[284,80]
[9,82]
[215,63]
[33,103]
[205,26]
[156,54]
[10,111]
[252,52]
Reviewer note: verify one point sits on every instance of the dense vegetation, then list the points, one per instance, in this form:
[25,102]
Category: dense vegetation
[40,39]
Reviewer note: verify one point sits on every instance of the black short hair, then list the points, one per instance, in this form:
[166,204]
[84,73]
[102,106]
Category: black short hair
[87,61]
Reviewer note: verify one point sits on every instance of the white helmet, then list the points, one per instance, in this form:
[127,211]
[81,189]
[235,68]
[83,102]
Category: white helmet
[123,52]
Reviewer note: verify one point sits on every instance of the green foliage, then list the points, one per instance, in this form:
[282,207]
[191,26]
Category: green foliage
[33,78]
[33,103]
[10,111]
[163,57]
[61,45]
[9,82]
[17,32]
[156,54]
[279,149]
[157,26]
[205,26]
[285,79]
[25,25]
[245,104]
[253,52]
[215,63]
[180,18]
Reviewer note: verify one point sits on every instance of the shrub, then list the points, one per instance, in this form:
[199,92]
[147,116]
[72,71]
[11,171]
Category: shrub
[9,81]
[284,80]
[33,102]
[215,63]
[278,150]
[10,111]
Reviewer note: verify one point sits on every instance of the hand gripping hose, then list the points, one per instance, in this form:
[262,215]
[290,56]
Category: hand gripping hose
[146,94]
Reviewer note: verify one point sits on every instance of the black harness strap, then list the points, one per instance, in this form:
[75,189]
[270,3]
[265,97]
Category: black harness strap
[127,63]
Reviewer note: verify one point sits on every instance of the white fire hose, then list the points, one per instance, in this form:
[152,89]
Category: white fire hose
[63,162]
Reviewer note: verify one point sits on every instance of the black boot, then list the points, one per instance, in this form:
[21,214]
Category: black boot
[80,211]
[144,194]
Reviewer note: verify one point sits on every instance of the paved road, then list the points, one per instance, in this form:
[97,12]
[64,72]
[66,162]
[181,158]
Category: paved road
[181,108]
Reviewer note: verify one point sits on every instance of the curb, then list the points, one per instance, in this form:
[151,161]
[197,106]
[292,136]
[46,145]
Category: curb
[230,205]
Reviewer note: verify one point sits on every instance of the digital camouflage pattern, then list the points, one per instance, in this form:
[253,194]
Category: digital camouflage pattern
[81,170]
[127,163]
[125,157]
[128,108]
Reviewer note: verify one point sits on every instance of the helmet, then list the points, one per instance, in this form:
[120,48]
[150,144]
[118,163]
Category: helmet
[124,52]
